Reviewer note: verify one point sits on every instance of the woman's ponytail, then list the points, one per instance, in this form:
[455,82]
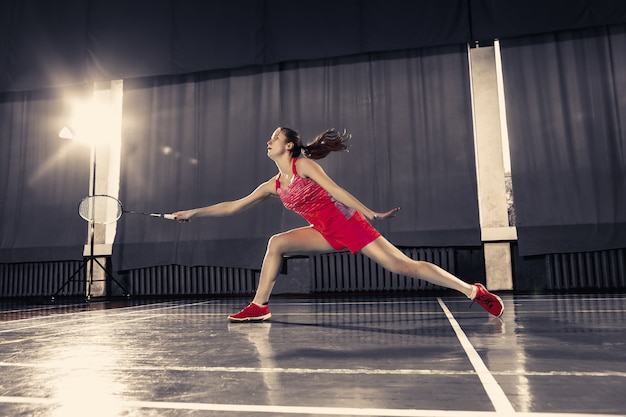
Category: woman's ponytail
[325,143]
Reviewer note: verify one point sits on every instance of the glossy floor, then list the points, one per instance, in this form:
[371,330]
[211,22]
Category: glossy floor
[403,356]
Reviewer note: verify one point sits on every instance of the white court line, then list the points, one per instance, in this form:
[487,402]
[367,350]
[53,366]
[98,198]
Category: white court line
[239,369]
[304,371]
[68,332]
[95,315]
[276,409]
[60,307]
[500,401]
[138,316]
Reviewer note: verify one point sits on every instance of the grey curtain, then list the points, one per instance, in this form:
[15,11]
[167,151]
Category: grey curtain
[199,139]
[42,179]
[566,107]
[65,42]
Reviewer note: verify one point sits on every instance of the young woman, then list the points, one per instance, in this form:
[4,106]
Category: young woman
[338,221]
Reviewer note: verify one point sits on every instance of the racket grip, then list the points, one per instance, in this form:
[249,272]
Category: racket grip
[168,216]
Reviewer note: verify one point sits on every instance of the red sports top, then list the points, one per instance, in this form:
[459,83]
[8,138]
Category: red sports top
[311,201]
[341,226]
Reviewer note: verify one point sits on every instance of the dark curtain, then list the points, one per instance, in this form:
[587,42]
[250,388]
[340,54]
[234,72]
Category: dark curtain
[566,109]
[64,42]
[42,179]
[42,44]
[497,19]
[199,139]
[52,43]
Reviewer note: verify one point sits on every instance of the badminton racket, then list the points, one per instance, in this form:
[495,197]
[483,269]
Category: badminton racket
[104,209]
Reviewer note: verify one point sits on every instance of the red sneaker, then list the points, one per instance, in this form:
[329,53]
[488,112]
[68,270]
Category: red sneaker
[252,312]
[490,302]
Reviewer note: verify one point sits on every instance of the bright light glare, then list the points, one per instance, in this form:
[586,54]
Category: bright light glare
[66,133]
[85,380]
[91,122]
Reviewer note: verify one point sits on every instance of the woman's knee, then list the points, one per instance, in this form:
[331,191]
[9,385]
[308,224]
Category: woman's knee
[408,267]
[276,244]
[413,268]
[420,268]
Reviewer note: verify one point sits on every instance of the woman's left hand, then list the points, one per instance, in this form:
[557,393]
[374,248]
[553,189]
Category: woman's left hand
[390,213]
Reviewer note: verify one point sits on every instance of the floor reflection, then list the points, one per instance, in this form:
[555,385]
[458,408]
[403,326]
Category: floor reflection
[258,336]
[82,377]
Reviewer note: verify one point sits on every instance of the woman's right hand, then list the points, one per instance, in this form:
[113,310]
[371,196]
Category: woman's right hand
[184,215]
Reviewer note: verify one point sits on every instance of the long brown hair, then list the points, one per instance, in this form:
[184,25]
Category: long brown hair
[326,142]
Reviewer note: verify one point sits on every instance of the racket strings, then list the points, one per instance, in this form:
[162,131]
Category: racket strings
[100,209]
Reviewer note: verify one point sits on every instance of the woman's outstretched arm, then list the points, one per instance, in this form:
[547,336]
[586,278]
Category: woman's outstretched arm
[228,208]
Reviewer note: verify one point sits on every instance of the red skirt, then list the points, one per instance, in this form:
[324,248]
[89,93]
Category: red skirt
[353,235]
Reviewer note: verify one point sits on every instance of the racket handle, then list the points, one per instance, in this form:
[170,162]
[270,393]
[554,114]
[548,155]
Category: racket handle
[171,217]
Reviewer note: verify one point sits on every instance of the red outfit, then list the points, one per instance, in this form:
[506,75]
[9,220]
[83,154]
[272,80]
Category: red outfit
[342,226]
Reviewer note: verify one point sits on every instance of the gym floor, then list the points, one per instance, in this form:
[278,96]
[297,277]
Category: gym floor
[558,355]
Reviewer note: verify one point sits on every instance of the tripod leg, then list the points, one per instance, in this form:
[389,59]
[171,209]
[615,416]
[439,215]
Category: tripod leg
[108,274]
[70,279]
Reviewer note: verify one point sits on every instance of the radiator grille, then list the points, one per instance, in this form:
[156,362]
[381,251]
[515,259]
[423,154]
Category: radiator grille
[589,270]
[183,280]
[42,279]
[344,272]
[335,272]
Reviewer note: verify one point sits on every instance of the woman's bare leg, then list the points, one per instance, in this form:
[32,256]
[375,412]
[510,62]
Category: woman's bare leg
[392,259]
[305,239]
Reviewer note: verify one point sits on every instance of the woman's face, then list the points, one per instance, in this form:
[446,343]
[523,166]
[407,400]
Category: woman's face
[277,145]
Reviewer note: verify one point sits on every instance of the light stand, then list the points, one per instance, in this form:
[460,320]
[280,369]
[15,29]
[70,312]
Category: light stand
[66,133]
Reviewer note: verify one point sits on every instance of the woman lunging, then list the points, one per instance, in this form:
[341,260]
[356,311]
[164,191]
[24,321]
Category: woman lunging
[337,221]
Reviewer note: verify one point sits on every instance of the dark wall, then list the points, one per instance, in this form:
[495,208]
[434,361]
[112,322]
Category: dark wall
[45,44]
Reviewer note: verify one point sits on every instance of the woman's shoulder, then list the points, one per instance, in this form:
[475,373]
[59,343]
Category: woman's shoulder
[270,185]
[305,164]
